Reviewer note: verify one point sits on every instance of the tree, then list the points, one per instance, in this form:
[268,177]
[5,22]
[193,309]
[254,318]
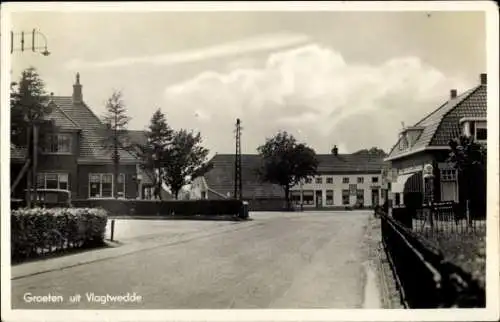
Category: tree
[374,151]
[469,158]
[186,159]
[115,132]
[28,102]
[286,162]
[159,137]
[29,125]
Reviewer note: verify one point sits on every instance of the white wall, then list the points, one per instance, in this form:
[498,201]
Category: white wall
[196,189]
[337,186]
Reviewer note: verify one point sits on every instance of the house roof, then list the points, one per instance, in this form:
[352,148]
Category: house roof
[221,177]
[69,115]
[61,119]
[442,125]
[137,137]
[93,131]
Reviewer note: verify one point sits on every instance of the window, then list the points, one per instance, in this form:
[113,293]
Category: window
[345,180]
[308,197]
[319,180]
[481,134]
[397,199]
[52,181]
[360,197]
[448,175]
[59,143]
[295,197]
[329,197]
[308,180]
[361,180]
[101,185]
[345,196]
[374,179]
[121,186]
[329,180]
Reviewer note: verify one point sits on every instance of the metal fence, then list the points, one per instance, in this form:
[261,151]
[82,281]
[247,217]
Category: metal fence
[423,277]
[443,219]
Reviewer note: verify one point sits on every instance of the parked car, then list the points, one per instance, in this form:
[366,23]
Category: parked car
[51,198]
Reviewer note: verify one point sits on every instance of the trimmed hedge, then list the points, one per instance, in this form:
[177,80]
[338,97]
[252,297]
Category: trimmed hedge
[164,208]
[42,230]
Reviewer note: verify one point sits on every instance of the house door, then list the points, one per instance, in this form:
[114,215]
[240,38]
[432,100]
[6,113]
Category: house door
[375,197]
[319,198]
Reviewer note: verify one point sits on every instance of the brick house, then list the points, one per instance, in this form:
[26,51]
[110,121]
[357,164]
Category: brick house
[73,158]
[342,180]
[427,143]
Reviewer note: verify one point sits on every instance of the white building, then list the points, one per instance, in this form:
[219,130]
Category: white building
[344,180]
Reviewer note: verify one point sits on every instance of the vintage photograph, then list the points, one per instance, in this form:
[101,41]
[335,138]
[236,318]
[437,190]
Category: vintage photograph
[247,159]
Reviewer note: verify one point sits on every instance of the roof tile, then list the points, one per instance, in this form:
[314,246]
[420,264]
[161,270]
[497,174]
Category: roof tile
[438,129]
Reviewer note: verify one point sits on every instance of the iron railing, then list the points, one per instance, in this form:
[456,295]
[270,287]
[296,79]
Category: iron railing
[423,277]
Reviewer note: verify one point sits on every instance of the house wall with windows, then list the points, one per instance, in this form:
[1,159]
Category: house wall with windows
[96,181]
[334,190]
[59,159]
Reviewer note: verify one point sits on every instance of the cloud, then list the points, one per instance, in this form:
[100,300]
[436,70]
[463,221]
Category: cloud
[314,93]
[245,46]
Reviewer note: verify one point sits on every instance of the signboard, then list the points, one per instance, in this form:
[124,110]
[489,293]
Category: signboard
[352,189]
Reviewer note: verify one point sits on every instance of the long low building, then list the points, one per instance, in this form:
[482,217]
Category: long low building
[343,180]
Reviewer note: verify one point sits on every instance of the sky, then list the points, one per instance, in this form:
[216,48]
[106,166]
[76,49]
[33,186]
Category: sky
[329,78]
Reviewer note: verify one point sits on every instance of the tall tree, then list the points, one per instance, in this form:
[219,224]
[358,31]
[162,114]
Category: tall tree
[28,103]
[159,137]
[186,159]
[286,162]
[29,126]
[469,158]
[115,132]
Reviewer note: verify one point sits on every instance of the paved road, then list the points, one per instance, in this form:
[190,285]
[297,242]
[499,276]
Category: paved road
[296,260]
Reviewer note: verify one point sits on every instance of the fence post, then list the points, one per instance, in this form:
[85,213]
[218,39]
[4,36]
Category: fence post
[112,229]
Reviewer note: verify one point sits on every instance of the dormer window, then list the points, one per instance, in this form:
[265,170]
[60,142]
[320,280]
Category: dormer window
[409,136]
[60,143]
[475,127]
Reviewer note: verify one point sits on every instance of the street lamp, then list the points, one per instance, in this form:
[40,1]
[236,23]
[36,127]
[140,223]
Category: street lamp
[34,46]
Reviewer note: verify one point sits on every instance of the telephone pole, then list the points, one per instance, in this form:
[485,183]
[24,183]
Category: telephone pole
[237,163]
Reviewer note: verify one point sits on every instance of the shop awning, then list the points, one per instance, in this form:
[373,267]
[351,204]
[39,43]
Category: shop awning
[411,181]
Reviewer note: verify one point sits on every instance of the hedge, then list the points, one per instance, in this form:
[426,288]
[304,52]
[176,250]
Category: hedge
[164,208]
[42,230]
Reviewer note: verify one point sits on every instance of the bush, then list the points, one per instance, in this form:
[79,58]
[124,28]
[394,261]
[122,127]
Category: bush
[41,230]
[165,208]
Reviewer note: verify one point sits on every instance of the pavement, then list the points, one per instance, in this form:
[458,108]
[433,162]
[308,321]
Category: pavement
[277,260]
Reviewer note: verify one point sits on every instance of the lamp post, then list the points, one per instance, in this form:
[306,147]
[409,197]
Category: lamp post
[35,47]
[429,189]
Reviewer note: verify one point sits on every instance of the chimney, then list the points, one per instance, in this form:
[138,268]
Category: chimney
[335,150]
[77,90]
[483,78]
[453,93]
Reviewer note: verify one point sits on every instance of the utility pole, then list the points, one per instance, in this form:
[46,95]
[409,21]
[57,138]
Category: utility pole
[237,163]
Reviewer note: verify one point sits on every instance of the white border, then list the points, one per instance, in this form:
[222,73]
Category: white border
[492,289]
